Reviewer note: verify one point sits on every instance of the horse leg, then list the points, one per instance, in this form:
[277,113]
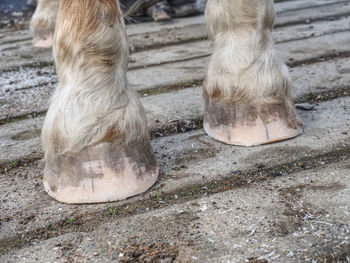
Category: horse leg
[247,91]
[95,135]
[43,22]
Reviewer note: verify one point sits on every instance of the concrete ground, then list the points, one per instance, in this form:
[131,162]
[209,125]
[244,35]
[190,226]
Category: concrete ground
[285,202]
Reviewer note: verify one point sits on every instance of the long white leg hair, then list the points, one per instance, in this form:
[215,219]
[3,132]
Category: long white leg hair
[93,102]
[244,65]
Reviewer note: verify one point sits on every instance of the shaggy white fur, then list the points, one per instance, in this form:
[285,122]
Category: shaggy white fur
[93,102]
[244,65]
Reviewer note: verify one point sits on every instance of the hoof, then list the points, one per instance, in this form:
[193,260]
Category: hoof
[43,41]
[160,15]
[43,31]
[103,173]
[251,125]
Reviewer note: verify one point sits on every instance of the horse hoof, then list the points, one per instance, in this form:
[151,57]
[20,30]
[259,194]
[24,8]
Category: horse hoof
[102,173]
[43,41]
[247,124]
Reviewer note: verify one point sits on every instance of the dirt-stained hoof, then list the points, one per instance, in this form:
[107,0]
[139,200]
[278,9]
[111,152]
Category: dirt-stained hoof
[102,173]
[250,124]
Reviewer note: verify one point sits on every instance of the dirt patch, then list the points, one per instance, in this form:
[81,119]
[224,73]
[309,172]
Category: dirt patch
[31,160]
[177,126]
[298,212]
[202,138]
[314,60]
[193,156]
[256,260]
[333,187]
[334,254]
[273,154]
[160,246]
[26,135]
[159,252]
[347,166]
[336,92]
[19,117]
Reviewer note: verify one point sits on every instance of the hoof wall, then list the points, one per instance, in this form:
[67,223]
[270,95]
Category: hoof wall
[43,42]
[103,173]
[159,15]
[251,125]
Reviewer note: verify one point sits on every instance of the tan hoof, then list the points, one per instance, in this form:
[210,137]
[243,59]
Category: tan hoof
[251,125]
[43,41]
[159,15]
[43,32]
[102,173]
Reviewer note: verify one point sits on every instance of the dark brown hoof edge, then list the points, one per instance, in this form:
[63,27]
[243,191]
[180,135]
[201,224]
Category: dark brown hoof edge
[251,124]
[103,173]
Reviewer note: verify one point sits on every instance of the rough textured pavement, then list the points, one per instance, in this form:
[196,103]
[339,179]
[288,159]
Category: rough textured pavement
[286,202]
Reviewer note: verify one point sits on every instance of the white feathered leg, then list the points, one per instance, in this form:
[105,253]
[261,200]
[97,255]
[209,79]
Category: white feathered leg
[247,89]
[95,135]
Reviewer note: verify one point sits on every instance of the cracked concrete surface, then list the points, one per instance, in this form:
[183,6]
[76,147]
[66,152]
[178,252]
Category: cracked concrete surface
[285,202]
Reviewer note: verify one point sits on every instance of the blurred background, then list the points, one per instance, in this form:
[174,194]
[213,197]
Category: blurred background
[17,13]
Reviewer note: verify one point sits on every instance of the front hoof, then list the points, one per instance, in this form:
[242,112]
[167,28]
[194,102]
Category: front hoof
[251,124]
[103,173]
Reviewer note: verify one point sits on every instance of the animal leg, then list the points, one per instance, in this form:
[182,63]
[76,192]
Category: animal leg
[43,22]
[247,91]
[95,135]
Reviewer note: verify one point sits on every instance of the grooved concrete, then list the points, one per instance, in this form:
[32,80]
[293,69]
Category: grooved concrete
[287,219]
[185,160]
[285,202]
